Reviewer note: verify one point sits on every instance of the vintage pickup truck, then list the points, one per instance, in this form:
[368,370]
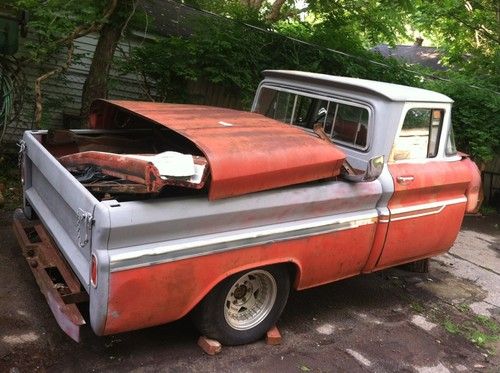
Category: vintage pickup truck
[163,210]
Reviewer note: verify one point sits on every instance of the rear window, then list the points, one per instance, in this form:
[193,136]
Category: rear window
[345,123]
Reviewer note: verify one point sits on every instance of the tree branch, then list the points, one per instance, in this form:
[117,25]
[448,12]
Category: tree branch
[275,12]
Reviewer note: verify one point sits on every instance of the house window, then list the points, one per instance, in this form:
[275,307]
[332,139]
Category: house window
[419,137]
[344,123]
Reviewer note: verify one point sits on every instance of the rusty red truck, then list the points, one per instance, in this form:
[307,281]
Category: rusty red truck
[161,210]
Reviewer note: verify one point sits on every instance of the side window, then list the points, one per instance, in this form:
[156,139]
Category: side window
[351,125]
[451,149]
[419,137]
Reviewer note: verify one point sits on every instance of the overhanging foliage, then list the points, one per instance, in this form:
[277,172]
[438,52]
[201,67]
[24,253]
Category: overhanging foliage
[232,54]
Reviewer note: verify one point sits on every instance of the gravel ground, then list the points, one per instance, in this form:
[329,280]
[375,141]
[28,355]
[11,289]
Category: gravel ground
[445,320]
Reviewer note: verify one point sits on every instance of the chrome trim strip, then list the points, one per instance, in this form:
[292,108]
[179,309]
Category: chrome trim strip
[433,212]
[129,258]
[435,207]
[429,205]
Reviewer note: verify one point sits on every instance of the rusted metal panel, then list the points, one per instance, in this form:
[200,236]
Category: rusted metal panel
[57,282]
[143,173]
[246,152]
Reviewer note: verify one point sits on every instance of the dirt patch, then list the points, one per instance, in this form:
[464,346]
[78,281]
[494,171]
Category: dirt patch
[451,289]
[10,186]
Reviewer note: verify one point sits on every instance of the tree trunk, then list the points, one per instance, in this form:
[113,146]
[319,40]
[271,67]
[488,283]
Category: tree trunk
[275,12]
[96,84]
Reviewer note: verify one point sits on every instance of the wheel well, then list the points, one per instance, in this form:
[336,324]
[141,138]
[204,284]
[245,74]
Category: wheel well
[294,271]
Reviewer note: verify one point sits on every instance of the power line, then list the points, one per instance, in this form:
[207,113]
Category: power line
[344,54]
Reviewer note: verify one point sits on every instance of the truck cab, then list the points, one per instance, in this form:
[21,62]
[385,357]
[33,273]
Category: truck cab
[425,180]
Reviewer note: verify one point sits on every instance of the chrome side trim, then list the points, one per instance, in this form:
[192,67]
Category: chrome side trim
[140,256]
[424,209]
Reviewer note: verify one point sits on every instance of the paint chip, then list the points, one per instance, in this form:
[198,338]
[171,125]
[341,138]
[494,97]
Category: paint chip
[421,322]
[368,318]
[359,358]
[20,338]
[440,368]
[326,329]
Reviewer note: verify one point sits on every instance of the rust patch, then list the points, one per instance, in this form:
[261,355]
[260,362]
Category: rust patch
[56,281]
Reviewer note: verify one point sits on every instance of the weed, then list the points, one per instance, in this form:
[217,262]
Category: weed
[463,307]
[417,307]
[451,327]
[487,209]
[480,339]
[488,323]
[10,181]
[480,330]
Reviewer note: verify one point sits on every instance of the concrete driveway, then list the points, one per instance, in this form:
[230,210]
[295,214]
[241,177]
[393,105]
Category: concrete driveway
[446,320]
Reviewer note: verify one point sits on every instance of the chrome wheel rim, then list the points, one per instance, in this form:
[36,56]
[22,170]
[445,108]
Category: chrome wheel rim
[250,300]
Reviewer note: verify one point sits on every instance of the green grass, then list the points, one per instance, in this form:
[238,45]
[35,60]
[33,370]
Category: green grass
[463,307]
[451,327]
[417,307]
[487,209]
[480,330]
[488,323]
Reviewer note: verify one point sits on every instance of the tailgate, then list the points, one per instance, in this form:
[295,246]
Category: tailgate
[63,205]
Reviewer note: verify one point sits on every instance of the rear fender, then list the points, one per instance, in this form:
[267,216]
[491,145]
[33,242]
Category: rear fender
[292,263]
[473,191]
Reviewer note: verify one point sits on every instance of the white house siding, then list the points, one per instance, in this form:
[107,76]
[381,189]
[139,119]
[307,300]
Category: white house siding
[62,94]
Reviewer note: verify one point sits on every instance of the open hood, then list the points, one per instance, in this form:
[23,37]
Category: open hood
[246,152]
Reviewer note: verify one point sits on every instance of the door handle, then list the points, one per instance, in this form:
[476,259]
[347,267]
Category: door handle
[405,180]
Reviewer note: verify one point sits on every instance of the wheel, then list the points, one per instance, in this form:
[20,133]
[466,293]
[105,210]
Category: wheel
[243,307]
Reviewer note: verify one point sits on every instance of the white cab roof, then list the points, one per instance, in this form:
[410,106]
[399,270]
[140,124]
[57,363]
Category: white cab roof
[393,92]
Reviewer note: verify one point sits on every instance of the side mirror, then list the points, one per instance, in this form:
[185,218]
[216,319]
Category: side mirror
[373,170]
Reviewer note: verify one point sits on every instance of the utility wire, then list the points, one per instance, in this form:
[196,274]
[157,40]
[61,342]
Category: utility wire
[344,54]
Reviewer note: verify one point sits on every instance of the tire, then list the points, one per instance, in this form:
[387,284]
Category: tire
[243,307]
[418,266]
